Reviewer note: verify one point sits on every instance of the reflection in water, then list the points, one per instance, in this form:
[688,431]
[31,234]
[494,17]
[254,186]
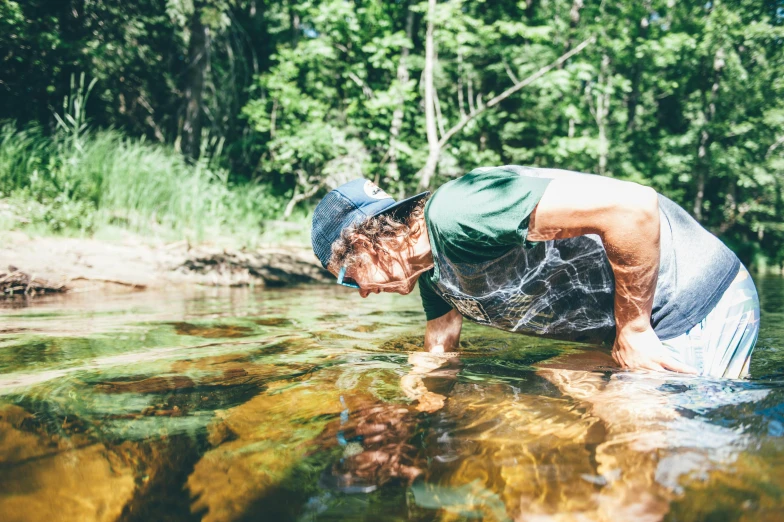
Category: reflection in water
[611,446]
[238,405]
[377,443]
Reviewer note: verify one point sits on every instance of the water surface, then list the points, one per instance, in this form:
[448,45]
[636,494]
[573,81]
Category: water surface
[315,405]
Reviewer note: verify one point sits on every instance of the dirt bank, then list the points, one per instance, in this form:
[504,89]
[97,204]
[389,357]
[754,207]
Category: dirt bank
[35,265]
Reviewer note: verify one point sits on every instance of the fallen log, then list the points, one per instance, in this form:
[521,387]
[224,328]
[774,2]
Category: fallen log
[267,267]
[16,282]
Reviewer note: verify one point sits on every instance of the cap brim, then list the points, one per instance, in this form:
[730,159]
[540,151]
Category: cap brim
[401,204]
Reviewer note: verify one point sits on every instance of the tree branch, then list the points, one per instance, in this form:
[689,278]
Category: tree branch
[779,142]
[434,145]
[511,90]
[439,118]
[310,188]
[366,90]
[509,71]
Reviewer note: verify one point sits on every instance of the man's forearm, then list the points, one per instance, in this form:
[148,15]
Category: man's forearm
[633,251]
[626,216]
[443,334]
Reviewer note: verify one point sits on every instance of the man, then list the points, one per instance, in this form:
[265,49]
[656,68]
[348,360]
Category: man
[553,253]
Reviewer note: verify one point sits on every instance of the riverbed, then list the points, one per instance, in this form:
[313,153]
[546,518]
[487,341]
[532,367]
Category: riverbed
[311,404]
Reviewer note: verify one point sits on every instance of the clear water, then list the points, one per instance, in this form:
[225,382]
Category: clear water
[316,405]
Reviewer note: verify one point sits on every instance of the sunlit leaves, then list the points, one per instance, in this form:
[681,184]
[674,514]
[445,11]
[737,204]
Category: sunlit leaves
[671,92]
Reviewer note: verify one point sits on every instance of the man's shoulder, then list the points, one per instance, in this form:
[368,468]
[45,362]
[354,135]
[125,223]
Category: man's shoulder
[479,184]
[462,205]
[452,200]
[455,191]
[480,177]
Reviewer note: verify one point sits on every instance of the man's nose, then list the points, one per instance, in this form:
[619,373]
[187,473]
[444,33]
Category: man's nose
[364,293]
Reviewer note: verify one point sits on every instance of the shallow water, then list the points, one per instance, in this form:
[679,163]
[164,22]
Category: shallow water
[313,404]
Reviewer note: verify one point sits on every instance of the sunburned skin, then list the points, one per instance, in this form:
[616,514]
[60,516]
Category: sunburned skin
[623,214]
[394,270]
[375,277]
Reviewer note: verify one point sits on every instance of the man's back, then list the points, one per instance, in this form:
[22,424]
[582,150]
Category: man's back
[562,288]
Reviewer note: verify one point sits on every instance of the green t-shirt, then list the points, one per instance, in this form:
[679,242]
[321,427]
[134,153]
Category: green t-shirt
[477,218]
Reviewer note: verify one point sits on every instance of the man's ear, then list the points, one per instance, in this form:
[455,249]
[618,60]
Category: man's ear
[363,244]
[416,227]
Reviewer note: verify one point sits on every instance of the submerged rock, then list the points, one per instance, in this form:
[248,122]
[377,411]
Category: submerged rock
[82,484]
[48,477]
[260,442]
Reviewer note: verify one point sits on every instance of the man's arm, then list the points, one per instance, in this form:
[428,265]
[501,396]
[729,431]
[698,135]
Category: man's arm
[443,333]
[626,216]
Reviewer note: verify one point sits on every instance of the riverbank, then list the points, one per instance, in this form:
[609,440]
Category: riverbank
[33,265]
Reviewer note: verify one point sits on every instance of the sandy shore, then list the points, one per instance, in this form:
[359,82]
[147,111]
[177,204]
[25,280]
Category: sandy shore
[36,264]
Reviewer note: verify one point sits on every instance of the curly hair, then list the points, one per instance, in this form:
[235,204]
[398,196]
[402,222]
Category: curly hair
[382,232]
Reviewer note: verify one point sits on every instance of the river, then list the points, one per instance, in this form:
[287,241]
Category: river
[312,404]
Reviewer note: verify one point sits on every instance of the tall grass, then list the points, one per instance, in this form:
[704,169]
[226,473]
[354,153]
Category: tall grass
[79,181]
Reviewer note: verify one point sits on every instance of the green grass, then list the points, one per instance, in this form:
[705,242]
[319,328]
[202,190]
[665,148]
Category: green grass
[79,182]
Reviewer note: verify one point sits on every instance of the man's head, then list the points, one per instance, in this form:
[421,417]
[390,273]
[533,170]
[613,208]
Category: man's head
[368,240]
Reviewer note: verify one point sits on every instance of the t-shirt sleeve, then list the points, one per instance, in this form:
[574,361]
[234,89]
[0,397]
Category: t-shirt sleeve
[433,304]
[486,212]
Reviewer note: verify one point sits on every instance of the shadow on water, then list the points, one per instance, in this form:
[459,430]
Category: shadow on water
[237,405]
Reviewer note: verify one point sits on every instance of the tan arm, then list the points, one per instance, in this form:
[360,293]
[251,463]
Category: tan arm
[626,217]
[443,334]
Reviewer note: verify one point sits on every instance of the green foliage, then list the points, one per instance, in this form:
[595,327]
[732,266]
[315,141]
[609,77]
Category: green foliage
[687,97]
[107,179]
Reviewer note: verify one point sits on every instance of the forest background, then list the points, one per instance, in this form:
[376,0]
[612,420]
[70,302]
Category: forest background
[200,119]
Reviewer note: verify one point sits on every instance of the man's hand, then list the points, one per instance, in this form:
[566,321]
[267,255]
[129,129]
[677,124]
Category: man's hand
[641,349]
[425,364]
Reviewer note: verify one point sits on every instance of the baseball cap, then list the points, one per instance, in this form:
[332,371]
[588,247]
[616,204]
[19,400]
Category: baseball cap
[350,203]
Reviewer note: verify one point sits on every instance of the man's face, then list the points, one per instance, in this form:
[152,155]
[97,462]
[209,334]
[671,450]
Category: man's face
[385,271]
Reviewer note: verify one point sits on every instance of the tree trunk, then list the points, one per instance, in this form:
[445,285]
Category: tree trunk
[460,101]
[293,25]
[574,20]
[634,96]
[393,172]
[72,33]
[603,112]
[699,197]
[426,174]
[703,150]
[194,87]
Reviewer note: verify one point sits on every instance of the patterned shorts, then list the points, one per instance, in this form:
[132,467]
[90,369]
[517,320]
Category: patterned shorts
[721,344]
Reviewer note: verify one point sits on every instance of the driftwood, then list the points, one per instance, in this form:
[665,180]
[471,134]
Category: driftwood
[16,282]
[130,284]
[270,268]
[47,265]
